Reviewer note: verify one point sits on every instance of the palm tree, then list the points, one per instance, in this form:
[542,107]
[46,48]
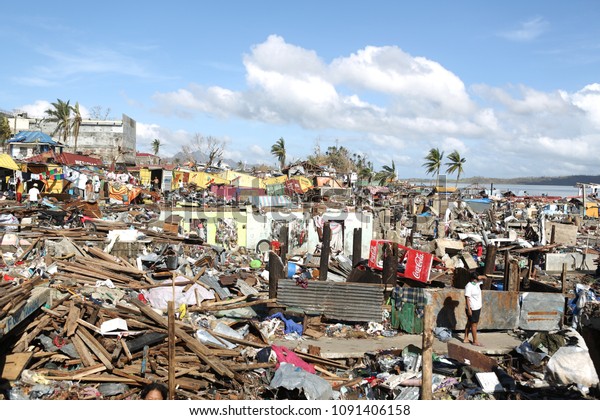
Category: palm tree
[455,165]
[61,115]
[387,175]
[76,124]
[156,146]
[366,173]
[278,150]
[434,162]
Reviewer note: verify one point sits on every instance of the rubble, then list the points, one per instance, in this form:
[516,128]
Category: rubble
[99,300]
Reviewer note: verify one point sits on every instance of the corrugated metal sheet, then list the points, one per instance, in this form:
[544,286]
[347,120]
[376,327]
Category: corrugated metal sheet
[354,302]
[32,137]
[79,160]
[7,162]
[541,311]
[500,309]
[213,283]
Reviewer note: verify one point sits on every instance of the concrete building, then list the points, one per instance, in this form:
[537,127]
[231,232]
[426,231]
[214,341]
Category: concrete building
[113,141]
[146,159]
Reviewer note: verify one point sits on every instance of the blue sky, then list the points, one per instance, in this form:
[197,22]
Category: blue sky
[513,86]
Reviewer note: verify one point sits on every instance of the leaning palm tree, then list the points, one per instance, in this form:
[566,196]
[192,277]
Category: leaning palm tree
[60,113]
[278,150]
[156,146]
[455,165]
[434,162]
[76,124]
[387,174]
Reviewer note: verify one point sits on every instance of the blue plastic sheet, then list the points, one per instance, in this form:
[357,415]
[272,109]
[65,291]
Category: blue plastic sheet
[290,326]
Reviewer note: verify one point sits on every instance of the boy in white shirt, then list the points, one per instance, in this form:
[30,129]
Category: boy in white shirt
[473,302]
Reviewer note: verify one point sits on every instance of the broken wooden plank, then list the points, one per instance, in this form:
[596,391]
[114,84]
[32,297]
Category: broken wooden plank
[95,347]
[86,356]
[71,323]
[476,359]
[14,364]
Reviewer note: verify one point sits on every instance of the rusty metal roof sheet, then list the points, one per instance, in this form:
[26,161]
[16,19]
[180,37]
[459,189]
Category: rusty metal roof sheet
[354,302]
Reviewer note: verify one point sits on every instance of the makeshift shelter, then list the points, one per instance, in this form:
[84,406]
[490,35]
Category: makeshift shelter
[29,143]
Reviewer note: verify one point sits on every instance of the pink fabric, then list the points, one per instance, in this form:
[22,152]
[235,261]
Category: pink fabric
[286,355]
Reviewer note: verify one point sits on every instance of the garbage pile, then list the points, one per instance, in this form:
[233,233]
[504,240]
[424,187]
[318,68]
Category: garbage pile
[98,303]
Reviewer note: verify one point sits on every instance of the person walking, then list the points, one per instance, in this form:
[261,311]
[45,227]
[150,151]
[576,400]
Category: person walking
[473,303]
[34,195]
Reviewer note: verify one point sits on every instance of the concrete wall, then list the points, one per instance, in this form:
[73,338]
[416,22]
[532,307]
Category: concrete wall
[109,140]
[574,260]
[252,226]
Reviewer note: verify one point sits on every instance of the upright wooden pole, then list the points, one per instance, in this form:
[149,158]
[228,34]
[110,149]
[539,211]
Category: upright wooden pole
[514,278]
[553,234]
[171,350]
[563,278]
[325,250]
[284,242]
[413,230]
[390,264]
[528,276]
[356,246]
[490,259]
[275,273]
[428,321]
[506,268]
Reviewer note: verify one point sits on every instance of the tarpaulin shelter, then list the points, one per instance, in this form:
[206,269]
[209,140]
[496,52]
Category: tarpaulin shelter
[7,162]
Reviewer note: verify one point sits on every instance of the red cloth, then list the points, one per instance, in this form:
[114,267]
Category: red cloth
[288,356]
[479,251]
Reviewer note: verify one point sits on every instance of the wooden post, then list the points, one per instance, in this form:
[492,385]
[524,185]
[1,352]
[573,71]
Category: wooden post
[390,264]
[490,259]
[275,273]
[583,199]
[506,268]
[356,246]
[284,242]
[563,277]
[428,321]
[514,278]
[553,234]
[413,231]
[325,250]
[528,276]
[171,354]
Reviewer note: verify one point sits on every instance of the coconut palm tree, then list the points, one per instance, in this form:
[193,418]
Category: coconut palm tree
[60,113]
[434,162]
[455,165]
[366,172]
[156,146]
[278,150]
[387,174]
[76,124]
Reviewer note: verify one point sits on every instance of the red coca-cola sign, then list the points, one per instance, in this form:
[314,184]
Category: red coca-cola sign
[418,263]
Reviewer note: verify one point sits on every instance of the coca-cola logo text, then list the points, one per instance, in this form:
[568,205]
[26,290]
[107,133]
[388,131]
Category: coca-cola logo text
[419,258]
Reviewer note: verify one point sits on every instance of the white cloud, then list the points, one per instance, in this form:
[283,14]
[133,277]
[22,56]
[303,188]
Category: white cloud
[37,109]
[399,106]
[256,150]
[171,140]
[528,30]
[291,85]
